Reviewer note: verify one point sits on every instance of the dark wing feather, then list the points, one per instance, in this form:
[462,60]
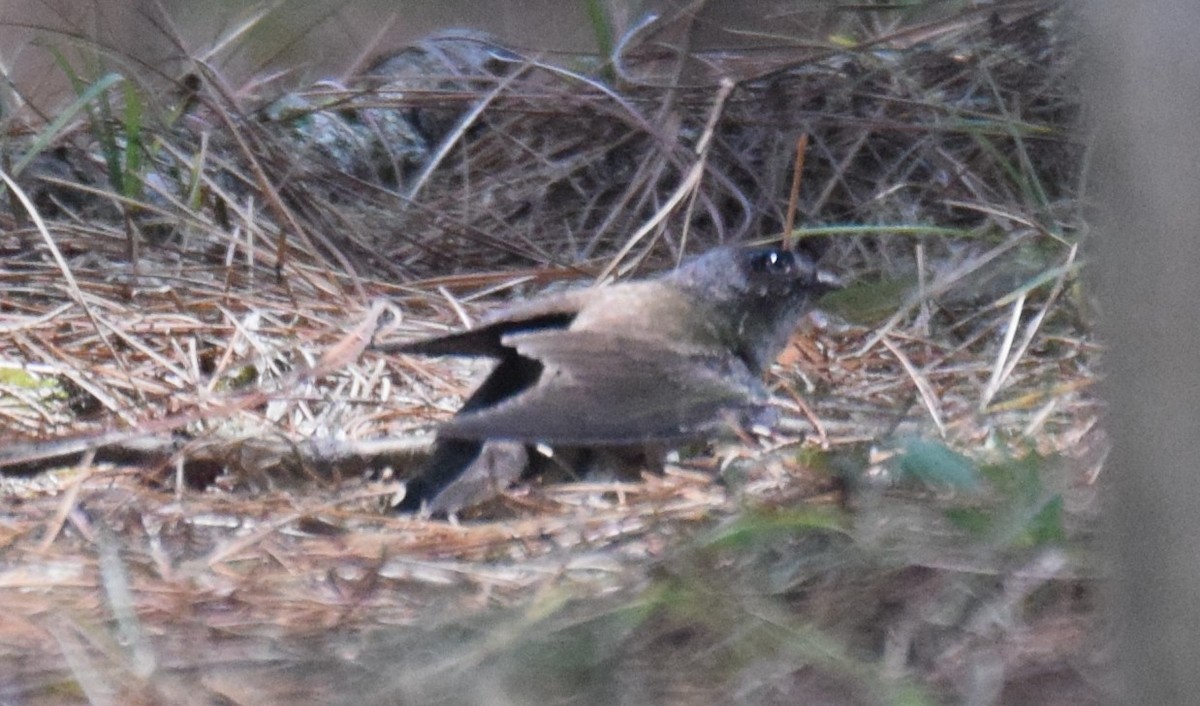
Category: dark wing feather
[597,389]
[483,341]
[548,312]
[451,457]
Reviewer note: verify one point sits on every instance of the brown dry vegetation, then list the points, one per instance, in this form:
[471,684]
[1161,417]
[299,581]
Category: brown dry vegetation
[199,447]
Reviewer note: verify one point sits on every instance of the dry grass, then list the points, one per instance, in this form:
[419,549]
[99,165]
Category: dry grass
[199,444]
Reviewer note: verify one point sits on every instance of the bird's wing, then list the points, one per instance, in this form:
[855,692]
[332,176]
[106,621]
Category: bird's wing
[554,304]
[599,389]
[548,312]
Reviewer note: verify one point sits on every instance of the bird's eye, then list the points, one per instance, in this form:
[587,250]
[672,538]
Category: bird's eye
[774,261]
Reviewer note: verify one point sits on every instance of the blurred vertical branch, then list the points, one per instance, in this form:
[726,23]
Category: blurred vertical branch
[1144,90]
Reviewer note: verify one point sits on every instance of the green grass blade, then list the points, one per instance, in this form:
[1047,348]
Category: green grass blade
[64,118]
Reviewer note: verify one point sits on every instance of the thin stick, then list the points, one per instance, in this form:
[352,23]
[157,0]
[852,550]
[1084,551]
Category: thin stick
[928,397]
[789,242]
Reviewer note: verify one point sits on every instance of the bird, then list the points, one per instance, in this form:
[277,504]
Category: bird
[641,365]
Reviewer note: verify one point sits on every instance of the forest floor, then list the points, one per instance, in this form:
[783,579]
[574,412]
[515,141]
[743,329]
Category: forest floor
[200,450]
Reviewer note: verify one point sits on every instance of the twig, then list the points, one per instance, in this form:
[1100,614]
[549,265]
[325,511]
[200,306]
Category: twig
[789,241]
[928,396]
